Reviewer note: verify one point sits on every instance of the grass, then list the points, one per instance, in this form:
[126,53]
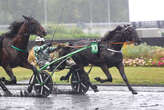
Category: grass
[135,75]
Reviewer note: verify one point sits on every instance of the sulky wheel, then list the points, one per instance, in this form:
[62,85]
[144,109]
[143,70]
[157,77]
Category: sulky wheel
[43,84]
[79,82]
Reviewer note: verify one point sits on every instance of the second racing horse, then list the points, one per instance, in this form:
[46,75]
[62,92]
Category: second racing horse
[109,54]
[13,46]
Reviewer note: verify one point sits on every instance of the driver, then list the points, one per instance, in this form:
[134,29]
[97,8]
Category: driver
[42,52]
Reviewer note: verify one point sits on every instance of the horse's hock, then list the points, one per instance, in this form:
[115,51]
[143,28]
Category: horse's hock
[149,32]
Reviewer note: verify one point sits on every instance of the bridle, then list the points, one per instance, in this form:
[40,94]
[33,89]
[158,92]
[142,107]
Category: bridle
[119,43]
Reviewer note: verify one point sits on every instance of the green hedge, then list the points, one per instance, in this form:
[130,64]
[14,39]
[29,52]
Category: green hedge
[142,50]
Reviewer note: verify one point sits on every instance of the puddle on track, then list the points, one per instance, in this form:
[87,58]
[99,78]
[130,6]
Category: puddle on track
[103,100]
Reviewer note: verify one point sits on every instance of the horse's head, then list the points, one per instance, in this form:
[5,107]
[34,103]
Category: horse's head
[130,34]
[122,34]
[34,27]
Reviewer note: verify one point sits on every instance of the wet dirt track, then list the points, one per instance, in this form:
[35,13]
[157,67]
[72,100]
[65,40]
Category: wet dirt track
[109,98]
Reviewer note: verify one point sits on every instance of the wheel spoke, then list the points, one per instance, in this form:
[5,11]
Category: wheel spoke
[47,87]
[37,84]
[82,84]
[46,79]
[41,92]
[41,80]
[78,89]
[75,82]
[78,77]
[82,90]
[75,87]
[32,79]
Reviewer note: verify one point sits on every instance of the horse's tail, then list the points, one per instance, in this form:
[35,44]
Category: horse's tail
[1,42]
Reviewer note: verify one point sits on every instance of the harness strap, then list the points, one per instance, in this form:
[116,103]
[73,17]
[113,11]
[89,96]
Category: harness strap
[18,49]
[114,50]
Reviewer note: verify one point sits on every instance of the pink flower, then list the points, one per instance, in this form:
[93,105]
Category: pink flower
[153,63]
[160,63]
[162,58]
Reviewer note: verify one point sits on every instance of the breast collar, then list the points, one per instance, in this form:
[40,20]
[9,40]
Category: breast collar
[112,50]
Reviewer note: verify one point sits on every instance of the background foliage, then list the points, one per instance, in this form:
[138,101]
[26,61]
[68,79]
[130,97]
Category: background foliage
[65,11]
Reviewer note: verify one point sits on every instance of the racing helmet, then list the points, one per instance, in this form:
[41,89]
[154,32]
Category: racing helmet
[39,39]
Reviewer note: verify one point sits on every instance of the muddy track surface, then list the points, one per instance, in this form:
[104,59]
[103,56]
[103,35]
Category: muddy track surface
[109,98]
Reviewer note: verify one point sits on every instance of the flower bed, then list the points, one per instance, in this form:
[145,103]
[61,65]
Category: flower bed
[138,62]
[143,55]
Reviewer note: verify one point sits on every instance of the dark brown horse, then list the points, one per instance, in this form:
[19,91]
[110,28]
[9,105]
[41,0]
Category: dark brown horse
[13,45]
[109,54]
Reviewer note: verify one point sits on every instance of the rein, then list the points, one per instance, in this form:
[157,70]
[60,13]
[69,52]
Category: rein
[128,42]
[79,46]
[62,44]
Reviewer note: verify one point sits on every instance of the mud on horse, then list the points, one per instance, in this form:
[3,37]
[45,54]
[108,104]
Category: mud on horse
[13,46]
[109,54]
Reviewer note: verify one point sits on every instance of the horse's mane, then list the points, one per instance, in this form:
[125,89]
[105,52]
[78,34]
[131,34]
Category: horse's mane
[13,29]
[106,36]
[109,34]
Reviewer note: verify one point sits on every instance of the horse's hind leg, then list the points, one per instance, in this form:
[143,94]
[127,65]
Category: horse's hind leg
[8,70]
[67,76]
[4,88]
[121,70]
[94,87]
[107,73]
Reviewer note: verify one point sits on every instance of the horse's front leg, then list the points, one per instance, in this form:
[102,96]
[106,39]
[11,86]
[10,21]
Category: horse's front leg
[4,88]
[122,72]
[107,73]
[8,70]
[67,76]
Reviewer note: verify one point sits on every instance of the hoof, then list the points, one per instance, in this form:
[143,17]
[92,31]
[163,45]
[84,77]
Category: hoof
[10,82]
[24,93]
[98,79]
[102,81]
[63,78]
[8,93]
[110,79]
[134,92]
[3,79]
[94,87]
